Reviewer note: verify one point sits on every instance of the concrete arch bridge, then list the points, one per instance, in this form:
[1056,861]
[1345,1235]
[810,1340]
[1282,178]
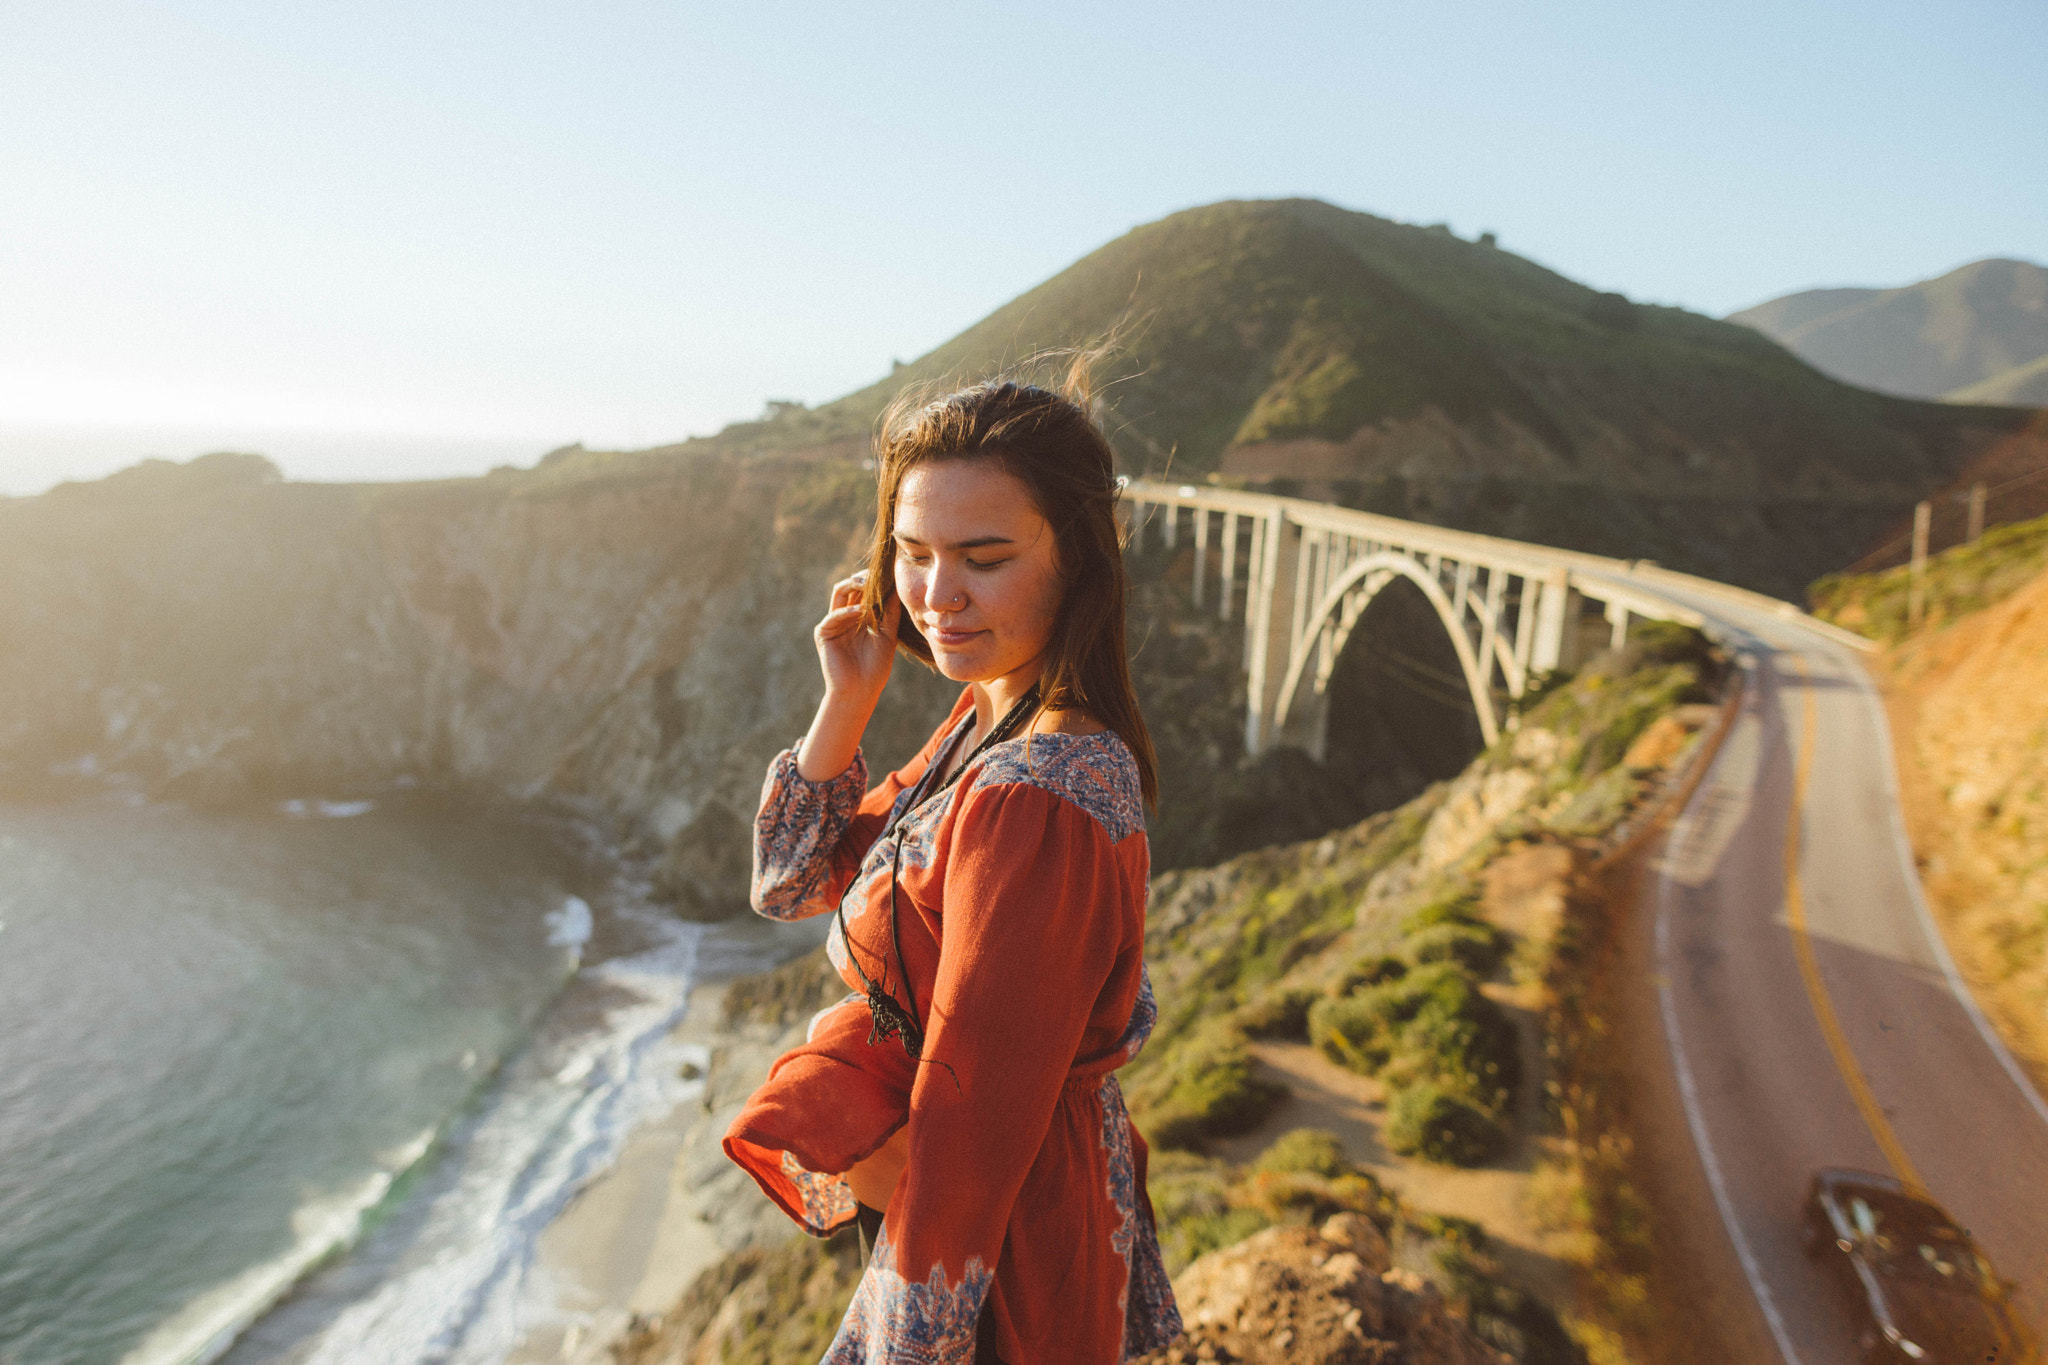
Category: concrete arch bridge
[1301,575]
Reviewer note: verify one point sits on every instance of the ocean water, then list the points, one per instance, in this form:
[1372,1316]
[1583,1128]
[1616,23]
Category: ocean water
[305,1085]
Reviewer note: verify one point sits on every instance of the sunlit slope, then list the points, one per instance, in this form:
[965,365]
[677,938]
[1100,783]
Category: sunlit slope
[2021,386]
[1949,337]
[1403,369]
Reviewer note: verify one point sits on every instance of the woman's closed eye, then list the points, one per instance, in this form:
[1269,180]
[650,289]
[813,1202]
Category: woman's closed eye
[920,561]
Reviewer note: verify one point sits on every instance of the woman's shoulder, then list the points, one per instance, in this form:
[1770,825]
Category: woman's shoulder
[1093,772]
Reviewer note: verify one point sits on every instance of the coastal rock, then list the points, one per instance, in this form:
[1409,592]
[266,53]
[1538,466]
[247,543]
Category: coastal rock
[1478,803]
[1296,1295]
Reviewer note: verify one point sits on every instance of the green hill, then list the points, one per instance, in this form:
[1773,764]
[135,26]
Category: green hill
[1302,347]
[1951,337]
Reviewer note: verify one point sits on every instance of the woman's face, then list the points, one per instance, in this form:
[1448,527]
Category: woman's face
[976,570]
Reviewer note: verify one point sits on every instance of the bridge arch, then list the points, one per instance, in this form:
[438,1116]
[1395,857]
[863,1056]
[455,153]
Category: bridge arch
[1343,605]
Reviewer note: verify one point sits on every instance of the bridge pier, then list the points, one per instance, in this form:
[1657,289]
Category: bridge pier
[1276,563]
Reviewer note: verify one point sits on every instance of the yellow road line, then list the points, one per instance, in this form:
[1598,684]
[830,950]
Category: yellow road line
[1809,968]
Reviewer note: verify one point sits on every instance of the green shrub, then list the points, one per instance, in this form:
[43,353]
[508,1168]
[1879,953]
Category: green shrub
[1192,1200]
[1460,1039]
[1198,1236]
[756,1307]
[1187,1185]
[1281,1013]
[1437,1124]
[1208,1089]
[1361,1029]
[1648,698]
[1369,971]
[1301,1196]
[1459,907]
[1352,1030]
[1316,1151]
[1664,642]
[1478,948]
[1603,802]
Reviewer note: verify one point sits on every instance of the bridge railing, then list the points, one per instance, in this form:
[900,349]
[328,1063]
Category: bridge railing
[1304,573]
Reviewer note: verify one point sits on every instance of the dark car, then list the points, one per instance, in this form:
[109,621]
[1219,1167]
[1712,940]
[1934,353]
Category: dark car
[1919,1286]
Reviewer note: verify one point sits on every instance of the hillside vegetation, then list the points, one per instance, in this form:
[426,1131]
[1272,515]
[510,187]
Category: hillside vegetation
[1959,583]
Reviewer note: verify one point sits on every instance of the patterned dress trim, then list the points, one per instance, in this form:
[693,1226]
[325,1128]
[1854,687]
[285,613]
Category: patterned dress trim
[1144,1015]
[828,1199]
[894,1322]
[1151,1317]
[799,824]
[1095,772]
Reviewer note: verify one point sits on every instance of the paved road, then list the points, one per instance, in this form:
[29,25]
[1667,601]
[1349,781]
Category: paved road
[1812,1016]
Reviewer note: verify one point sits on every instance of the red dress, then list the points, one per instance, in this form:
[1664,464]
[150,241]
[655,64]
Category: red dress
[1021,910]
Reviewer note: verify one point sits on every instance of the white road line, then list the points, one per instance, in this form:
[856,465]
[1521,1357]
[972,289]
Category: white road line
[1688,1092]
[1908,870]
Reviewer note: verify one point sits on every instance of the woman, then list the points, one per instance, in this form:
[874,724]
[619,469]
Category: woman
[989,911]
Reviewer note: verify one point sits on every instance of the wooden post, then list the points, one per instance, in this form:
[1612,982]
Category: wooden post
[1916,584]
[1201,551]
[1976,512]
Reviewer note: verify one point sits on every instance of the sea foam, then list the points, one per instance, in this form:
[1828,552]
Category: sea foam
[206,1327]
[469,1287]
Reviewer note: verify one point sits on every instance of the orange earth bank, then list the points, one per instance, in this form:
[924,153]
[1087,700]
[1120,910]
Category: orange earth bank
[1969,707]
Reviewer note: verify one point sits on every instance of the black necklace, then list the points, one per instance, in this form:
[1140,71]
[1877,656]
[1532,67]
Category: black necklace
[893,1019]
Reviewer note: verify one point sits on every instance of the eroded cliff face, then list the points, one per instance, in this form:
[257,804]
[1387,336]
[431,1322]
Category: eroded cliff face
[633,640]
[628,635]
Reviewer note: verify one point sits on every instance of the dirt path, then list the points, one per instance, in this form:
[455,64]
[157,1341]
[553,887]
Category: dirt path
[1323,1094]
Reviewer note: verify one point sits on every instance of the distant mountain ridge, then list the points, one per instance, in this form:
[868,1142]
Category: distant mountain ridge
[1978,334]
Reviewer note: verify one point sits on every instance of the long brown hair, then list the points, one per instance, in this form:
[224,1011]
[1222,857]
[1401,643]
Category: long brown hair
[1047,440]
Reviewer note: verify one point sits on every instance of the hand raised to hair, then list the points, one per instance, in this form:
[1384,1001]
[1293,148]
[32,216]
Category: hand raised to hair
[854,656]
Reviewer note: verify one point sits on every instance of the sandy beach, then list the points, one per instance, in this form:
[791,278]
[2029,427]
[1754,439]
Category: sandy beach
[633,1239]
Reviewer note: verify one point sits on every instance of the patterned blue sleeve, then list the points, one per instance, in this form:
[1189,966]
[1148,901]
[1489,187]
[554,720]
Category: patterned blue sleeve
[796,833]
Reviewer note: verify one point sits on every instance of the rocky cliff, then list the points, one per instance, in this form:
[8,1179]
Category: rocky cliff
[628,636]
[633,641]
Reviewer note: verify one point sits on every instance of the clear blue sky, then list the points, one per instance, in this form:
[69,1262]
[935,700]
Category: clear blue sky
[382,238]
